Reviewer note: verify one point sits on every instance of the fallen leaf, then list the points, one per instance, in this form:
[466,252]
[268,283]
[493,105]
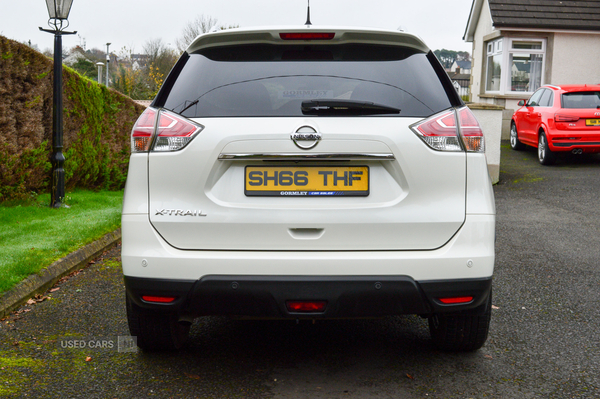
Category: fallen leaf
[194,376]
[55,289]
[31,301]
[488,356]
[410,376]
[87,359]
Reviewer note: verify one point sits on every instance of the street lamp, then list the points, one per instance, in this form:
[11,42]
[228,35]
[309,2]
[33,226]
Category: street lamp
[58,10]
[107,61]
[99,65]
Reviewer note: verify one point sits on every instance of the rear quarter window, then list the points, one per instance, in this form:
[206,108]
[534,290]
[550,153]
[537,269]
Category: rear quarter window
[273,80]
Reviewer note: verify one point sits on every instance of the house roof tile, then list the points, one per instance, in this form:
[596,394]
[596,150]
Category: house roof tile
[546,14]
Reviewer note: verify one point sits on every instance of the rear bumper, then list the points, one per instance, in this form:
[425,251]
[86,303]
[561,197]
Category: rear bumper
[346,297]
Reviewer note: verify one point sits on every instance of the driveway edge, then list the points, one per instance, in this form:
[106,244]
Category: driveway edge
[46,278]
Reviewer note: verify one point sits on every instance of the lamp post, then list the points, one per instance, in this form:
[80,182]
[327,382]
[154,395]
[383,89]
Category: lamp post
[58,11]
[107,61]
[99,65]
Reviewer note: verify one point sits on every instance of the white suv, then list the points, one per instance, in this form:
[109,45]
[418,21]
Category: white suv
[308,173]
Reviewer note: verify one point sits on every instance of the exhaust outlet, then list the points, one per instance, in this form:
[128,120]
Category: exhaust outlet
[577,151]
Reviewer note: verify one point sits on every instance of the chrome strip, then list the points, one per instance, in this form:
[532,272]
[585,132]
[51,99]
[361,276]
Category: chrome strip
[307,157]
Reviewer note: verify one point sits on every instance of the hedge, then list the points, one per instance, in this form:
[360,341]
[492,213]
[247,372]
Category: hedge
[97,125]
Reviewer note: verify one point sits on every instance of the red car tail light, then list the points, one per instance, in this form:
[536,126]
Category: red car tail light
[307,35]
[143,130]
[471,132]
[306,306]
[173,132]
[565,118]
[440,131]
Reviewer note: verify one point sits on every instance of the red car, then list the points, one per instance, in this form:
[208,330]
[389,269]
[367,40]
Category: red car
[558,119]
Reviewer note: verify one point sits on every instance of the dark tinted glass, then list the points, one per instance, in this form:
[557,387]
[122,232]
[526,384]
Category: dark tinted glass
[584,99]
[267,80]
[546,100]
[534,100]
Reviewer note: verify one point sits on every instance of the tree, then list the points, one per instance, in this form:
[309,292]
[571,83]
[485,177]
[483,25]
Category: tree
[463,56]
[201,24]
[86,68]
[446,57]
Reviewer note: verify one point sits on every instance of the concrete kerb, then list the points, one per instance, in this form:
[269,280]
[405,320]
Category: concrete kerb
[46,278]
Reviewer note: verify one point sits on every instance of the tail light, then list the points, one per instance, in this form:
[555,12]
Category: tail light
[471,132]
[162,131]
[565,118]
[441,132]
[141,134]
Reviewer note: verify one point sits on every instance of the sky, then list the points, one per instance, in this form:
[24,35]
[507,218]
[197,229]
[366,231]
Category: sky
[130,23]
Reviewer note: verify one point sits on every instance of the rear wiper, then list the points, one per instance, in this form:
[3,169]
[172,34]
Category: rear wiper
[352,107]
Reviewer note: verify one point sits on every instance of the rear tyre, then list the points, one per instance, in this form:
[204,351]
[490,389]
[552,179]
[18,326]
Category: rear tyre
[515,144]
[156,330]
[461,332]
[545,155]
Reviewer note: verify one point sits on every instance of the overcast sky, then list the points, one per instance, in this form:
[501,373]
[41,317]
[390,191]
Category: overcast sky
[129,23]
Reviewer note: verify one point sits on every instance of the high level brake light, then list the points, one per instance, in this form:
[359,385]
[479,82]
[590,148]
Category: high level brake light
[167,132]
[441,132]
[307,35]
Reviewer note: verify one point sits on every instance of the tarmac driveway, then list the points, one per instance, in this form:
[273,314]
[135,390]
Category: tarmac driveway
[544,339]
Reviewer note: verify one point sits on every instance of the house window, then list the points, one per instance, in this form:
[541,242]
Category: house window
[526,61]
[494,66]
[517,69]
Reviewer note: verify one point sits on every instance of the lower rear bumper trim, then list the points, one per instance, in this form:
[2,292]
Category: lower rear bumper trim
[348,296]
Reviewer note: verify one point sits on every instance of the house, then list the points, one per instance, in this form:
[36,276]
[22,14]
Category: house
[77,53]
[460,67]
[519,45]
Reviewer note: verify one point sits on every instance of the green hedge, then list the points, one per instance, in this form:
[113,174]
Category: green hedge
[97,125]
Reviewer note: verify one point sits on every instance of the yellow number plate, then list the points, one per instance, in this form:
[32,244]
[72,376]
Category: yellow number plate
[307,181]
[592,122]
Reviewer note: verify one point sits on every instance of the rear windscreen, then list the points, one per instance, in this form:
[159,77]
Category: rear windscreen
[584,99]
[274,80]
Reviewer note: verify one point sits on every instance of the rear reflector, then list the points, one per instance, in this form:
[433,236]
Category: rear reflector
[158,299]
[174,131]
[306,306]
[307,35]
[456,300]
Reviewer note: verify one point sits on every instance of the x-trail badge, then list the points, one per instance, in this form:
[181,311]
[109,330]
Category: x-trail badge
[306,137]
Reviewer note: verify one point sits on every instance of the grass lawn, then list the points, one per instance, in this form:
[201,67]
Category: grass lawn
[33,235]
